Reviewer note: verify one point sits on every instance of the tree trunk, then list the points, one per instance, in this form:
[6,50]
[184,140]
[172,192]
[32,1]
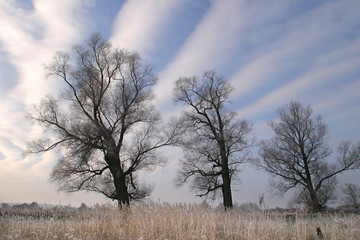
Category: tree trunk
[315,204]
[314,200]
[122,194]
[226,191]
[309,185]
[226,188]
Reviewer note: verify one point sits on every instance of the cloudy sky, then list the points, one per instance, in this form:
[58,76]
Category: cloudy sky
[272,52]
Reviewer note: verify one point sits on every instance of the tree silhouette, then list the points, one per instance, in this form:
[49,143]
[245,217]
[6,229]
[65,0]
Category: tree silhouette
[104,121]
[298,156]
[214,141]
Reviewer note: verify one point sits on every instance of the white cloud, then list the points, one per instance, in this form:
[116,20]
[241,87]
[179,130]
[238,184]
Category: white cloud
[214,42]
[311,39]
[303,88]
[312,53]
[29,38]
[260,71]
[344,95]
[271,51]
[341,110]
[200,49]
[139,22]
[63,21]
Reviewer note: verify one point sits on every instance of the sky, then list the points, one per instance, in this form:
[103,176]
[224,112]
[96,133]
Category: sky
[271,52]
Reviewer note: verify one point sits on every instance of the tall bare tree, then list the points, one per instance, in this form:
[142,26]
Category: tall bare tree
[215,142]
[104,122]
[298,156]
[352,195]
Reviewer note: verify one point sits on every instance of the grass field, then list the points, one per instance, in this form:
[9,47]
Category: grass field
[175,221]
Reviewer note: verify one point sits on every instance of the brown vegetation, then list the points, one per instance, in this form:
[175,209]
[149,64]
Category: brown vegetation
[178,221]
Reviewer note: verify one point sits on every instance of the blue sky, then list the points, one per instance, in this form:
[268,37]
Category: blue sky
[272,52]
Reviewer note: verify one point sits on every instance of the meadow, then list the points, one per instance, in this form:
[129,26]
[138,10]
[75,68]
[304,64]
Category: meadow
[152,221]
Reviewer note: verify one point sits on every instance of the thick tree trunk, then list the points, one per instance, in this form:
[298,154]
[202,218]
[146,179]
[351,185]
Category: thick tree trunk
[226,188]
[226,191]
[122,194]
[315,205]
[314,201]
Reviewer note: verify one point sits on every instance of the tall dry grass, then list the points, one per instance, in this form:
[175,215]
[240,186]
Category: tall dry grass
[178,221]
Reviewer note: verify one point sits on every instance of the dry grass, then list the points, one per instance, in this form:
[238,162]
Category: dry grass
[165,221]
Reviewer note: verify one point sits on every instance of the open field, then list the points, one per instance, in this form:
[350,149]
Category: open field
[178,221]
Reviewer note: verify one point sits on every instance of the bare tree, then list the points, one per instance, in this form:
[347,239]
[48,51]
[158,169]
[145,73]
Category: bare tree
[352,195]
[104,122]
[215,142]
[298,156]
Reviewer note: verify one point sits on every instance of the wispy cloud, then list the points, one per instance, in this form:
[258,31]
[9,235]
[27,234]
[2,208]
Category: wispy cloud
[304,87]
[29,37]
[340,107]
[271,51]
[139,22]
[301,63]
[301,43]
[199,51]
[214,43]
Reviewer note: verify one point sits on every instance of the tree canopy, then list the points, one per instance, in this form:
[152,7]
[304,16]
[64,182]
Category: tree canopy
[104,122]
[299,157]
[215,142]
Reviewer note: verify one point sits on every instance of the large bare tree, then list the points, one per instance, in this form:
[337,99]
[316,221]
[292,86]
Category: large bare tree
[299,157]
[215,142]
[104,122]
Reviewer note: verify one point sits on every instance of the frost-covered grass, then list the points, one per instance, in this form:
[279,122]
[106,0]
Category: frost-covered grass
[178,221]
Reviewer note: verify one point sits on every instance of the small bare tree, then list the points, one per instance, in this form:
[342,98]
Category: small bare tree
[214,141]
[352,195]
[104,122]
[298,156]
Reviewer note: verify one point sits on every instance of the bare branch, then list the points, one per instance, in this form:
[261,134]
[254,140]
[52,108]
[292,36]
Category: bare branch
[298,155]
[214,141]
[106,106]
